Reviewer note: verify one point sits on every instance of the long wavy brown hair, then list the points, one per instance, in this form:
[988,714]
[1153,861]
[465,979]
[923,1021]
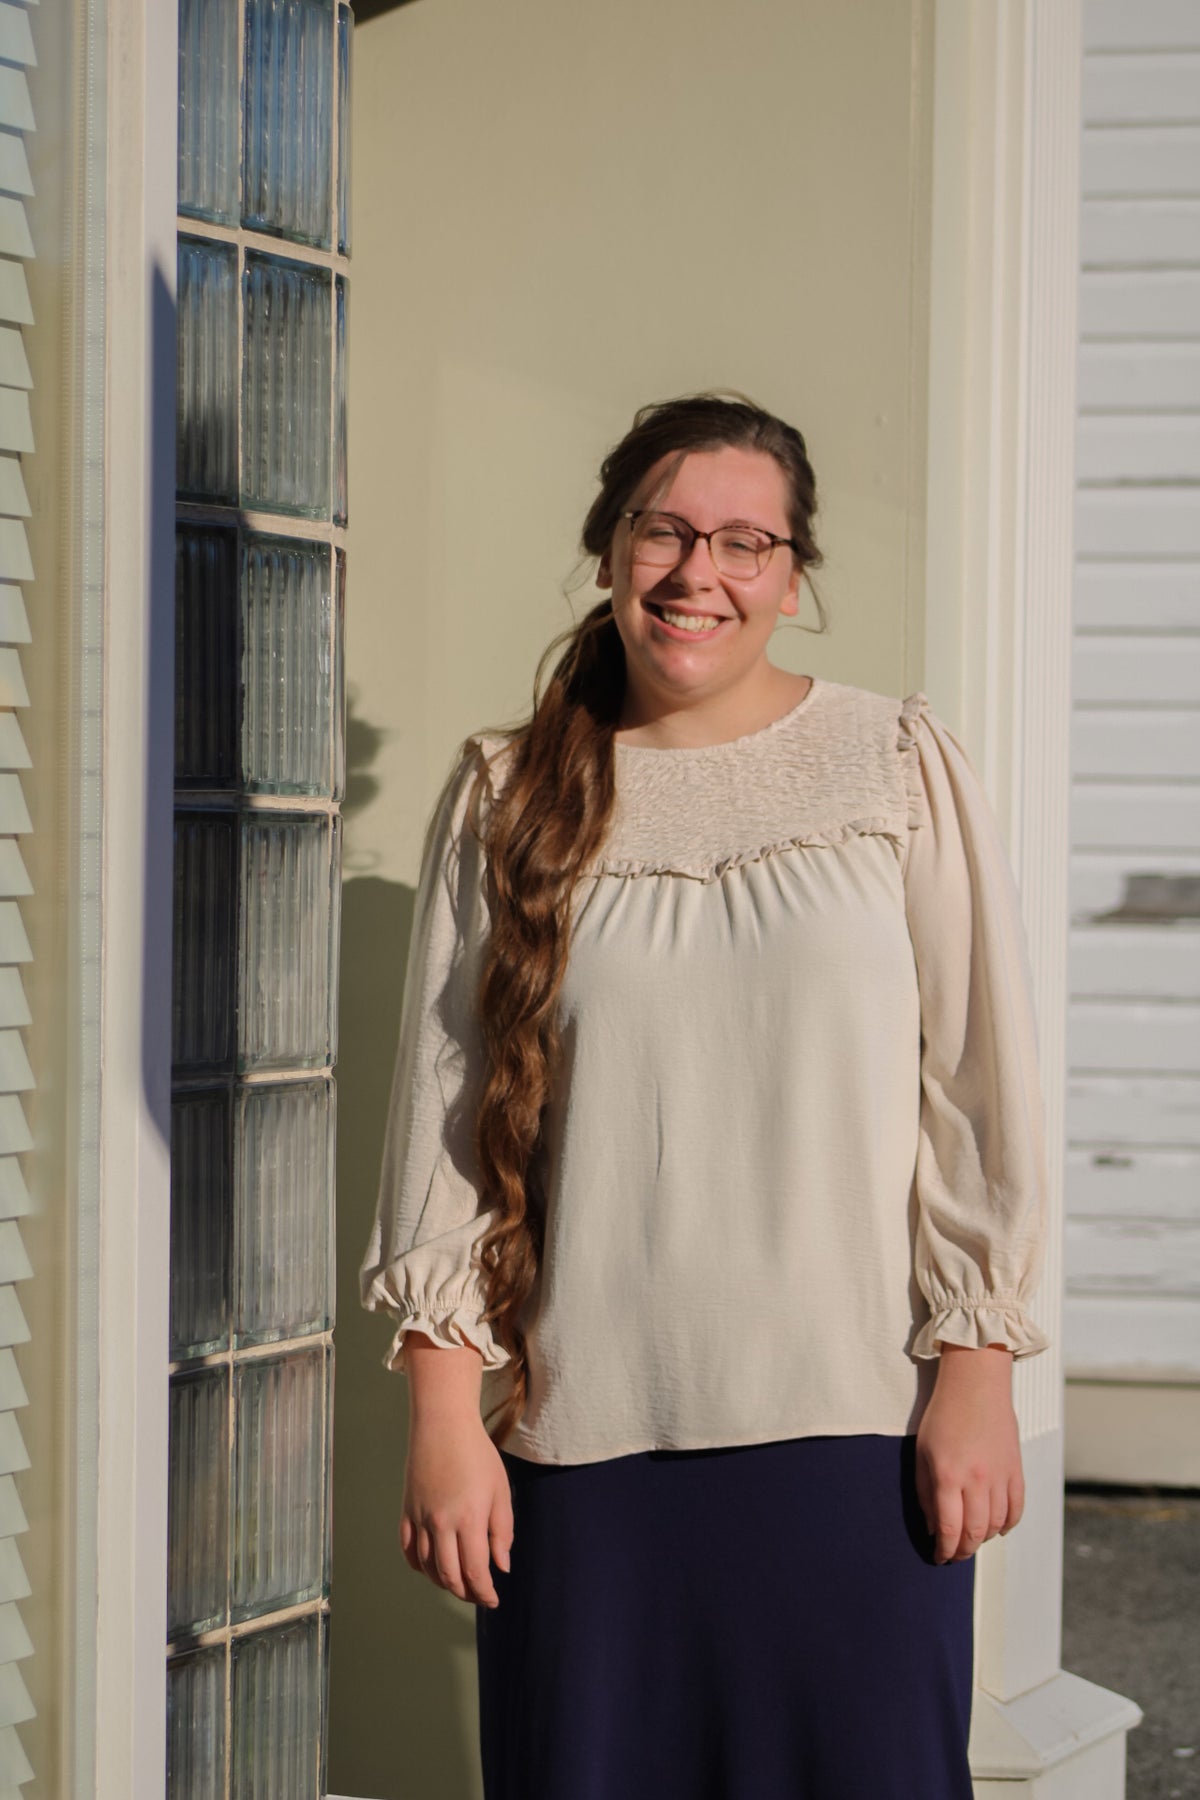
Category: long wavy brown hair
[543,825]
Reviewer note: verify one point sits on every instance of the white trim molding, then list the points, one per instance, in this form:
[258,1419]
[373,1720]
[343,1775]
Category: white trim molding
[1003,312]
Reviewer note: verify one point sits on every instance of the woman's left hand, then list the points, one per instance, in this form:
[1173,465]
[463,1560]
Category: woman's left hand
[969,1479]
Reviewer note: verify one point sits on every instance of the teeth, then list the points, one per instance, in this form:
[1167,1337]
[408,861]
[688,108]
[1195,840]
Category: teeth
[688,622]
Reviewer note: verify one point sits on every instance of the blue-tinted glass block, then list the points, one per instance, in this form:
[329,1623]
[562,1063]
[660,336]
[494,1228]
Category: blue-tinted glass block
[198,1503]
[196,1725]
[280,1684]
[202,1000]
[201,1214]
[286,951]
[335,933]
[208,110]
[206,657]
[287,393]
[287,669]
[345,68]
[206,371]
[339,676]
[279,1482]
[284,1211]
[339,404]
[288,156]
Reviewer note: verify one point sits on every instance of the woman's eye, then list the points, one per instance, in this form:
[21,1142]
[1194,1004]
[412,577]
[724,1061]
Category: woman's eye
[742,546]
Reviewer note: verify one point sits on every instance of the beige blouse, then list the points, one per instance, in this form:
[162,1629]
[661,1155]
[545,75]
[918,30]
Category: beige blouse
[798,1137]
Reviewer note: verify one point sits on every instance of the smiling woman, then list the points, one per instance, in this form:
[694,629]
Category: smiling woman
[712,1195]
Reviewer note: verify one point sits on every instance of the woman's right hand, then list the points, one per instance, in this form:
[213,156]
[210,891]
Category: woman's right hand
[457,1501]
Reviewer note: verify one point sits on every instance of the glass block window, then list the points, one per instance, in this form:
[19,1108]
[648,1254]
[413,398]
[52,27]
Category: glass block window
[260,584]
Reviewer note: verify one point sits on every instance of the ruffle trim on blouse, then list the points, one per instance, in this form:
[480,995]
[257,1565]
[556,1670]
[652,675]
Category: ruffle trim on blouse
[977,1323]
[712,868]
[453,1330]
[911,709]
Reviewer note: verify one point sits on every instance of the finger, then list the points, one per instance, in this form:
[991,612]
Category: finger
[925,1497]
[949,1522]
[408,1543]
[999,1512]
[445,1561]
[976,1512]
[500,1532]
[477,1576]
[1016,1501]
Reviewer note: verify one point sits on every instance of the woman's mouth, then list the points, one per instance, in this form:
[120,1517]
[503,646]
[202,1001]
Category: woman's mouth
[685,625]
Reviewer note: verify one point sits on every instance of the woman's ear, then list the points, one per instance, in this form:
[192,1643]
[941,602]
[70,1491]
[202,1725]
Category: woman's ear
[604,571]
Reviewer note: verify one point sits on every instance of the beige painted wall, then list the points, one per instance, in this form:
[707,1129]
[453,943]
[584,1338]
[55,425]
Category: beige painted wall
[561,211]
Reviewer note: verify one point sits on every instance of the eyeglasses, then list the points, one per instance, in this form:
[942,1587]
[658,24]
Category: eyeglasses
[662,540]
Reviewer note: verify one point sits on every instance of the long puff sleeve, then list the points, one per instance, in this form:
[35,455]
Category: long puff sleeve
[981,1167]
[421,1263]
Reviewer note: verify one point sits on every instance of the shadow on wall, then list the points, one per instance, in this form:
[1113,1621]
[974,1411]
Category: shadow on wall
[402,1694]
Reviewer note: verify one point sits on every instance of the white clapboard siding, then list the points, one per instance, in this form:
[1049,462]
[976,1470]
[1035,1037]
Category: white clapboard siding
[1123,669]
[1134,961]
[1150,25]
[1132,1234]
[1141,89]
[17,1077]
[1113,887]
[1133,1184]
[1114,451]
[1135,815]
[1143,234]
[1132,597]
[1131,1112]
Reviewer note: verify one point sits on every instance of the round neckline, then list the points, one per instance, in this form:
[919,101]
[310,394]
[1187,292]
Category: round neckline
[728,744]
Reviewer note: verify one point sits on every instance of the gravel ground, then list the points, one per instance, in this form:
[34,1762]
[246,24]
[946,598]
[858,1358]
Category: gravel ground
[1131,1621]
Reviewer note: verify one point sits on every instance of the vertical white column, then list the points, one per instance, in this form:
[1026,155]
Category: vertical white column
[1004,274]
[136,864]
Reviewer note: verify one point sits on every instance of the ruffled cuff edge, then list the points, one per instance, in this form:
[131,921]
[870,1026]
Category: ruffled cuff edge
[977,1323]
[912,708]
[455,1330]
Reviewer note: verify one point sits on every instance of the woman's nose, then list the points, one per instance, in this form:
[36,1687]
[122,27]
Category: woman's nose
[696,569]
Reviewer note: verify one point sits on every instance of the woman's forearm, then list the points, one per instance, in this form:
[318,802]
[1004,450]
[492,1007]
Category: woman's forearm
[443,1383]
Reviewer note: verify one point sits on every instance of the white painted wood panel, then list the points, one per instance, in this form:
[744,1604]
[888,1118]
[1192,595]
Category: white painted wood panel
[1136,743]
[1134,816]
[1133,1183]
[1133,1256]
[1128,450]
[1137,1036]
[1141,89]
[1159,596]
[1130,882]
[1137,522]
[1141,303]
[1133,1111]
[1150,25]
[1123,669]
[1154,159]
[1156,1334]
[1150,962]
[1136,233]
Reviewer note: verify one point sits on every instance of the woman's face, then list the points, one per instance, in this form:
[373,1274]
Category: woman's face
[666,664]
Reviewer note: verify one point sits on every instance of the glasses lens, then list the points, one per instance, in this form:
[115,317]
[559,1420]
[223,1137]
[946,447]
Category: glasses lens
[740,553]
[658,538]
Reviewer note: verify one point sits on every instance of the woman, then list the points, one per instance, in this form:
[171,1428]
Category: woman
[712,1197]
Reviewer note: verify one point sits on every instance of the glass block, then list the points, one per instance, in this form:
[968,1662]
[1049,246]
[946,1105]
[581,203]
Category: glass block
[278,1482]
[287,668]
[198,1502]
[288,155]
[330,1357]
[206,657]
[285,994]
[339,676]
[339,405]
[200,1224]
[206,371]
[287,391]
[202,1026]
[208,110]
[280,1707]
[196,1725]
[345,61]
[284,1211]
[335,935]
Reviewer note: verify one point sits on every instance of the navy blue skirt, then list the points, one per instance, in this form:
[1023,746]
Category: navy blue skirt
[758,1622]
